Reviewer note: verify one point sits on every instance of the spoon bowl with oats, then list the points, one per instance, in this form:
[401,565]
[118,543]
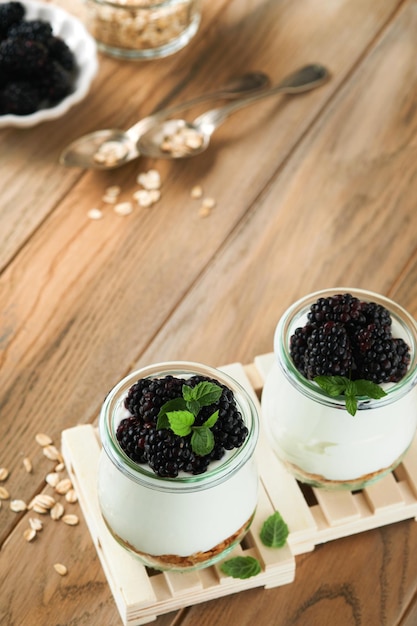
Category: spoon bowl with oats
[111,148]
[177,139]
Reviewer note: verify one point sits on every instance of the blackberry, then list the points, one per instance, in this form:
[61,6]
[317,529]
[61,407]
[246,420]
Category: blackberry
[22,58]
[56,83]
[385,361]
[34,30]
[61,53]
[298,345]
[145,398]
[229,430]
[11,13]
[348,337]
[131,437]
[19,98]
[165,452]
[343,308]
[328,352]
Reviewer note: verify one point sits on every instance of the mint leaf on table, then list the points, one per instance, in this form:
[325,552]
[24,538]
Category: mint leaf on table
[241,567]
[352,389]
[274,531]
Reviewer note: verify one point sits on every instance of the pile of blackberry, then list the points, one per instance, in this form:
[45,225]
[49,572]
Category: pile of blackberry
[37,69]
[164,451]
[345,336]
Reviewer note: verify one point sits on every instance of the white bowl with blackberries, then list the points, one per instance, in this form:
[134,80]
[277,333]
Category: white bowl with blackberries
[48,61]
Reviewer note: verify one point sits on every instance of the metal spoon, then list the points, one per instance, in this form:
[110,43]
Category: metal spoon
[176,138]
[110,148]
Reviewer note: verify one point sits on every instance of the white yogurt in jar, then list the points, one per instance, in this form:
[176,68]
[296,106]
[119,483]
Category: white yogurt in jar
[181,517]
[314,435]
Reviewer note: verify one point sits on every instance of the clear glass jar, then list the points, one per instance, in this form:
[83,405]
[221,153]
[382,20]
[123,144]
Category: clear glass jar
[315,437]
[182,523]
[143,29]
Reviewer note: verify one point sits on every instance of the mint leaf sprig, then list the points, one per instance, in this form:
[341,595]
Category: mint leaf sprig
[274,531]
[352,389]
[180,414]
[273,534]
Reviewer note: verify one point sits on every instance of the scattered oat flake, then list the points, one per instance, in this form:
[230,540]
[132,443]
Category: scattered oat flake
[204,211]
[60,467]
[71,520]
[149,180]
[52,453]
[35,523]
[197,191]
[208,203]
[44,500]
[114,191]
[63,486]
[71,496]
[57,511]
[61,569]
[123,208]
[109,199]
[29,534]
[4,494]
[17,506]
[4,472]
[95,214]
[43,440]
[27,464]
[39,509]
[143,197]
[52,479]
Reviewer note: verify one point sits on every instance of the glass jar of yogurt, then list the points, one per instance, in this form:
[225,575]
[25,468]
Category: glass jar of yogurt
[185,522]
[314,435]
[143,29]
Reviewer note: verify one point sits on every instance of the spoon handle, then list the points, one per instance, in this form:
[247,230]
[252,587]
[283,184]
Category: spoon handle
[249,83]
[304,79]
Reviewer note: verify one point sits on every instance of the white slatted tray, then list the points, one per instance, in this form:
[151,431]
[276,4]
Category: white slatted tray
[314,516]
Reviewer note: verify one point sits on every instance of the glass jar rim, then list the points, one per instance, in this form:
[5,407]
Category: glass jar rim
[286,326]
[186,483]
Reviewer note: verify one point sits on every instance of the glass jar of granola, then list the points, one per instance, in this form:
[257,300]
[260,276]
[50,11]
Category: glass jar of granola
[143,29]
[176,495]
[340,401]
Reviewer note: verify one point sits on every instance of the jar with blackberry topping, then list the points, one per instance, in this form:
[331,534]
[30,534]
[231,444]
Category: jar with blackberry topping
[143,29]
[340,401]
[177,481]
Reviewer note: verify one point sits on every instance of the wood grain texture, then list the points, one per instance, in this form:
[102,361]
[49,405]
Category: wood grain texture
[311,192]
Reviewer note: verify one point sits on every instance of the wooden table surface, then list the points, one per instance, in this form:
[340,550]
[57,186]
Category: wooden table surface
[311,192]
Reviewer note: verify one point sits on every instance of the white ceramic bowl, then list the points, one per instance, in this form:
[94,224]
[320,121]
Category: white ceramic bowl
[84,48]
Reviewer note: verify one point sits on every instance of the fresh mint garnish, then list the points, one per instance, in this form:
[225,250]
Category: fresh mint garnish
[202,440]
[181,422]
[179,415]
[351,389]
[241,567]
[274,531]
